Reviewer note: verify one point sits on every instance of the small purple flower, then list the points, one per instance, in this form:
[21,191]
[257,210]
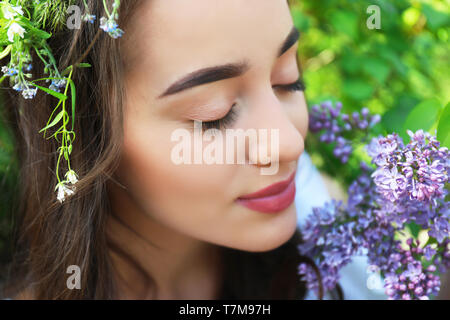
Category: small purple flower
[381,148]
[391,184]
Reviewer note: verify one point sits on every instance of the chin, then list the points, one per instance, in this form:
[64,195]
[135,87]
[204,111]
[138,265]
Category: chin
[272,233]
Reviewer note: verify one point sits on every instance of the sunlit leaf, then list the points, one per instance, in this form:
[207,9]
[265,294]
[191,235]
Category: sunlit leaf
[443,131]
[423,116]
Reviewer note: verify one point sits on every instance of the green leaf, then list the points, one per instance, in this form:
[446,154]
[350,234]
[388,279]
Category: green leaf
[54,122]
[352,63]
[443,131]
[58,95]
[435,19]
[73,98]
[357,89]
[33,30]
[301,21]
[345,22]
[376,68]
[423,116]
[66,71]
[83,65]
[390,55]
[40,33]
[414,228]
[394,118]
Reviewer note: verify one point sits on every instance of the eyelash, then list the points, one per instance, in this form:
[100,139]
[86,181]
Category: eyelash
[230,117]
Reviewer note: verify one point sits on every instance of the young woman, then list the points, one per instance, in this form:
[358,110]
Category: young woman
[141,226]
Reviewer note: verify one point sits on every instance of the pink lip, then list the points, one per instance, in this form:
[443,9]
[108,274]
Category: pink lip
[272,199]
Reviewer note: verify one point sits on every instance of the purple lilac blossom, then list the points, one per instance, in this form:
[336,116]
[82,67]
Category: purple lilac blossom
[336,125]
[407,186]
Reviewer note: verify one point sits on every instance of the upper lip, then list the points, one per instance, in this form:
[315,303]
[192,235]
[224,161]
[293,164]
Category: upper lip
[271,190]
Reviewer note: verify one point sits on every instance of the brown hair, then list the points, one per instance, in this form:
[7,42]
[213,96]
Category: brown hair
[49,236]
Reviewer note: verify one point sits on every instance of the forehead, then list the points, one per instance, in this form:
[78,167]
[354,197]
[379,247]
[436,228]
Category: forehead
[174,37]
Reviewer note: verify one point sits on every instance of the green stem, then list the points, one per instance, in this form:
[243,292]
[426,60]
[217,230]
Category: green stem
[65,114]
[57,168]
[40,56]
[63,129]
[86,6]
[5,52]
[106,9]
[52,59]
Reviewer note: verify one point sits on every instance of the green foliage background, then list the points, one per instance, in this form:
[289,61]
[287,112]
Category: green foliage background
[399,71]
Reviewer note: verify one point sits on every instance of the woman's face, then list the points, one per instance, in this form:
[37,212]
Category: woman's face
[168,40]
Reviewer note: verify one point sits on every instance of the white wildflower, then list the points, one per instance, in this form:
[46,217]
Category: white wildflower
[71,176]
[18,9]
[63,191]
[11,12]
[15,28]
[29,93]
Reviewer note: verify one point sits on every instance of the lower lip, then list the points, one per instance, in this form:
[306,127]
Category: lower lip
[271,204]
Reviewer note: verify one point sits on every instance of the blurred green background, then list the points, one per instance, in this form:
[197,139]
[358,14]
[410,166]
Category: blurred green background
[399,71]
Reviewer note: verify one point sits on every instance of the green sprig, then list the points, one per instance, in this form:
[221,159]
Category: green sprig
[25,27]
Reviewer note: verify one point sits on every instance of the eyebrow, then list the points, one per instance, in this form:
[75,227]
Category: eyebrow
[227,71]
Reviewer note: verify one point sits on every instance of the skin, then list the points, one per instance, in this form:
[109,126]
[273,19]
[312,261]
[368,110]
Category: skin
[168,220]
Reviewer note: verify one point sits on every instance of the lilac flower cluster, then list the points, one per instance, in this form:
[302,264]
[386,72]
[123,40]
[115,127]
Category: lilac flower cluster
[412,178]
[331,240]
[407,188]
[414,280]
[339,126]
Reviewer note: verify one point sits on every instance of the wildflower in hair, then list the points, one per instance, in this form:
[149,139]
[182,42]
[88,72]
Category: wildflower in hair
[63,191]
[14,29]
[12,11]
[89,18]
[110,26]
[72,177]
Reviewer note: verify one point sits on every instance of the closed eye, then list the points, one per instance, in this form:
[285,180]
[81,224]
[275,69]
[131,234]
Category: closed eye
[231,116]
[225,121]
[298,85]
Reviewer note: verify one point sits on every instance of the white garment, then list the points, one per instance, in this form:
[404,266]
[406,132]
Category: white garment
[311,192]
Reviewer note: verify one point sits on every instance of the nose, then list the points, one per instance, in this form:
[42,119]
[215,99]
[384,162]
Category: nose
[277,133]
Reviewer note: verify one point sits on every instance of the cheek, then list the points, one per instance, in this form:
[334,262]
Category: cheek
[304,117]
[298,113]
[148,170]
